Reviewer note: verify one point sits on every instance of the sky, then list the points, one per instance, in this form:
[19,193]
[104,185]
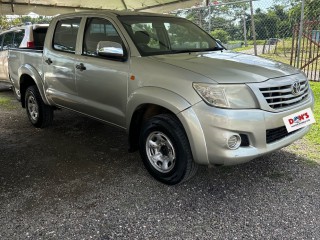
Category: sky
[263,4]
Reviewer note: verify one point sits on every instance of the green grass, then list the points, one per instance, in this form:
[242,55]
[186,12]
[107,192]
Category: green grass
[259,42]
[314,135]
[309,146]
[6,103]
[243,48]
[278,58]
[307,150]
[235,42]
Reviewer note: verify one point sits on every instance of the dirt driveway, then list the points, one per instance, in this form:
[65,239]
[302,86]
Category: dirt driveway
[76,180]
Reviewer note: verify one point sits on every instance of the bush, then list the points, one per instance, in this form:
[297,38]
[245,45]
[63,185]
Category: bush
[220,34]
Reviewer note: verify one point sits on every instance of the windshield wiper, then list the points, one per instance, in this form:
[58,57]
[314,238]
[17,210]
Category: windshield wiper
[185,51]
[216,49]
[197,50]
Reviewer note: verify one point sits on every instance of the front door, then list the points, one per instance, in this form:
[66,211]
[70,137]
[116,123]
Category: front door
[101,82]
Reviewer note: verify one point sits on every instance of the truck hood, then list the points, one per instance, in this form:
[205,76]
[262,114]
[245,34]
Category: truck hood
[229,67]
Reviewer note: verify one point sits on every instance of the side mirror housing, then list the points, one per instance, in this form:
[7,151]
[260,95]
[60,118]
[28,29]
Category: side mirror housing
[110,50]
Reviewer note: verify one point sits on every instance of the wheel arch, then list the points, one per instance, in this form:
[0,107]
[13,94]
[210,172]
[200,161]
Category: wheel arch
[152,101]
[147,102]
[29,76]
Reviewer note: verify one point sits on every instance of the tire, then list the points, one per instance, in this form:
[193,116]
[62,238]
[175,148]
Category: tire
[39,114]
[165,150]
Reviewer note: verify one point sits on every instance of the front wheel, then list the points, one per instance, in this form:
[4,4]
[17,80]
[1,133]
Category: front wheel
[39,114]
[165,150]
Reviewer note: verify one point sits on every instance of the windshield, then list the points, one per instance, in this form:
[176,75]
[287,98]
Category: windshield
[167,35]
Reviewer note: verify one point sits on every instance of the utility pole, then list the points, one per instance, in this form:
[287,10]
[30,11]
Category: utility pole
[245,28]
[300,33]
[253,30]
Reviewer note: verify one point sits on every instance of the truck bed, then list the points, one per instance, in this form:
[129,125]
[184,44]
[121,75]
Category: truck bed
[23,58]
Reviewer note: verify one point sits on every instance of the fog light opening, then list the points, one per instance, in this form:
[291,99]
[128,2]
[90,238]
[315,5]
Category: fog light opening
[234,142]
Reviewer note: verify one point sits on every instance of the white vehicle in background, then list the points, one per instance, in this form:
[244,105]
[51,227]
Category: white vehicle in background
[27,36]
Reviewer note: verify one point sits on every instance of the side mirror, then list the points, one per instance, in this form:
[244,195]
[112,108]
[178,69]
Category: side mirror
[110,49]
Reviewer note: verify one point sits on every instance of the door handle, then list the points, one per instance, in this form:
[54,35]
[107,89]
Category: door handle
[81,67]
[48,61]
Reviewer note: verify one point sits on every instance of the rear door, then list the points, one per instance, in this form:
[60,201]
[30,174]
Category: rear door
[59,63]
[102,82]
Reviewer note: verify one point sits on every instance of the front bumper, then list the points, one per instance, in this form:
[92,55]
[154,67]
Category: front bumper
[208,129]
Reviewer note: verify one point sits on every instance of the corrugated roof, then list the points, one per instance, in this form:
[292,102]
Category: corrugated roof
[53,7]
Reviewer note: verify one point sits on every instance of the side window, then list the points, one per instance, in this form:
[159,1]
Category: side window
[98,29]
[7,41]
[65,35]
[18,37]
[145,36]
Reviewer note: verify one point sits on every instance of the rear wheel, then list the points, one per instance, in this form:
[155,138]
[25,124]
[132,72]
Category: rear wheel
[165,150]
[40,114]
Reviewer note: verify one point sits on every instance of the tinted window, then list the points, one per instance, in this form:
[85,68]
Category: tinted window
[98,29]
[65,35]
[7,41]
[39,35]
[18,37]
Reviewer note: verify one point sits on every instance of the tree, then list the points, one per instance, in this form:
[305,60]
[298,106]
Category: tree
[220,34]
[4,24]
[39,20]
[284,25]
[266,24]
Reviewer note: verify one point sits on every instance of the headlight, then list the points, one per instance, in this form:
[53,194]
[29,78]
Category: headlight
[226,96]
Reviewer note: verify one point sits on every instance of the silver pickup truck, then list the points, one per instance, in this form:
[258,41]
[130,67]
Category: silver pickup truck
[182,98]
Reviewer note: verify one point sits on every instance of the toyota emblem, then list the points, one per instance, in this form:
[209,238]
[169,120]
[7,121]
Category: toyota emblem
[295,88]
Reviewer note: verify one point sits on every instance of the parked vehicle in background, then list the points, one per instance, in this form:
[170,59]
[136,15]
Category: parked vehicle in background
[183,99]
[273,41]
[27,36]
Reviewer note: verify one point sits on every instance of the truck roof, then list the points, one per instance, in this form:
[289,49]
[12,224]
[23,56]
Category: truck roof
[113,13]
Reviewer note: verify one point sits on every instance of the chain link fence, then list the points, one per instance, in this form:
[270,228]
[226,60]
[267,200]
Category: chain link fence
[284,30]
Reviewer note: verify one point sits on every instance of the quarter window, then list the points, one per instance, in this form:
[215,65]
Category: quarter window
[98,29]
[65,35]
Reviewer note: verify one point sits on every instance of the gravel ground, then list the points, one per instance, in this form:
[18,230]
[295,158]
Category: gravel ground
[76,180]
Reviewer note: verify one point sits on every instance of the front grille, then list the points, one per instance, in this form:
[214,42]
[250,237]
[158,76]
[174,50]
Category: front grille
[281,96]
[276,134]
